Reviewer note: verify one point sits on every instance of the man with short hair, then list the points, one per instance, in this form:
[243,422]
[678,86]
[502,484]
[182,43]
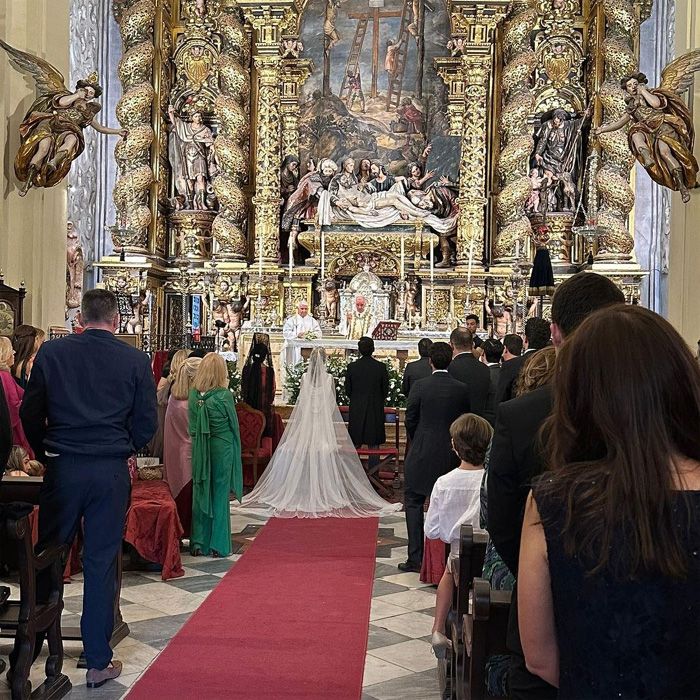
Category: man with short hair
[300,326]
[367,386]
[359,322]
[419,368]
[472,325]
[89,405]
[493,350]
[468,370]
[516,457]
[512,347]
[537,336]
[433,404]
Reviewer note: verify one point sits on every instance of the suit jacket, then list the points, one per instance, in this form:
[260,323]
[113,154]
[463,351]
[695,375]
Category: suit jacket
[413,372]
[367,385]
[90,394]
[5,430]
[468,370]
[433,404]
[490,412]
[510,371]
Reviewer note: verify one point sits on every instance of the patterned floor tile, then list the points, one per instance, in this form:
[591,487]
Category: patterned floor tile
[416,686]
[214,566]
[411,599]
[414,654]
[196,584]
[377,671]
[379,637]
[383,588]
[412,624]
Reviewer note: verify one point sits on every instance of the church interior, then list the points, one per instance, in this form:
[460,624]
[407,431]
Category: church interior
[301,174]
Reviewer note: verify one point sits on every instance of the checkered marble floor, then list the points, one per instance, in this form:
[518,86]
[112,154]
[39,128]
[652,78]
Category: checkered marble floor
[399,664]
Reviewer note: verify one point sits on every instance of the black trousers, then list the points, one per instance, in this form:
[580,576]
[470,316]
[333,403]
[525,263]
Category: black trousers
[96,491]
[413,504]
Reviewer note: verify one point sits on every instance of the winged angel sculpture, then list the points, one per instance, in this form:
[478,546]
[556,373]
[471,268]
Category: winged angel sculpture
[51,135]
[661,134]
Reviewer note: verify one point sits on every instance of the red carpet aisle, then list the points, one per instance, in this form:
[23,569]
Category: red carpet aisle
[290,620]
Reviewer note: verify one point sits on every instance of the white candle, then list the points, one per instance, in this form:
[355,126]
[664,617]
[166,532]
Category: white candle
[403,256]
[323,255]
[432,263]
[471,260]
[291,257]
[517,248]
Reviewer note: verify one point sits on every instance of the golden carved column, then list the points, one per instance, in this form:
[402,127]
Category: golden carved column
[294,73]
[469,77]
[267,22]
[614,24]
[516,132]
[231,145]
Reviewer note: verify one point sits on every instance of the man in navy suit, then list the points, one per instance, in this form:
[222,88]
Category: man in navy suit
[89,405]
[433,404]
[419,369]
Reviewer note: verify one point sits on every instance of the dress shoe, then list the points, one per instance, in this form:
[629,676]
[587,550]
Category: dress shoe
[97,678]
[441,644]
[409,566]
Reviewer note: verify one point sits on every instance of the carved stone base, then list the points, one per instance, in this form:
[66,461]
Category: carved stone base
[191,231]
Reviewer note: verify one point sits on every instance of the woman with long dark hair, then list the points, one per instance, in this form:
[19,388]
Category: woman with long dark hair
[26,341]
[258,384]
[609,575]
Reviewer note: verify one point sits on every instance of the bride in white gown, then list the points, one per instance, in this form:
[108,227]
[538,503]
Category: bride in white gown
[315,471]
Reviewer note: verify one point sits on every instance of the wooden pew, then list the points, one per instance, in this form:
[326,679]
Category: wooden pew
[26,490]
[25,617]
[472,550]
[484,631]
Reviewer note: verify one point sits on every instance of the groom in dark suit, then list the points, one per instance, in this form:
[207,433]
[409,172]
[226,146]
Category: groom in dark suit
[468,370]
[367,385]
[433,405]
[418,369]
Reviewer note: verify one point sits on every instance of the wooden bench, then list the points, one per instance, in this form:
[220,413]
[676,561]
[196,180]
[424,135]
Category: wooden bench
[472,550]
[26,617]
[484,631]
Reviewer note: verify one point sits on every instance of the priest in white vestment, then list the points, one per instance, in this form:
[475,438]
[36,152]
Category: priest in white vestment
[299,326]
[359,322]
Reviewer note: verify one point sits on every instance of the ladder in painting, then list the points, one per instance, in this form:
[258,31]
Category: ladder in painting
[354,58]
[393,96]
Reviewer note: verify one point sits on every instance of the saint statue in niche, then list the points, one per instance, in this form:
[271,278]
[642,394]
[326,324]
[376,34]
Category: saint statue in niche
[75,268]
[192,160]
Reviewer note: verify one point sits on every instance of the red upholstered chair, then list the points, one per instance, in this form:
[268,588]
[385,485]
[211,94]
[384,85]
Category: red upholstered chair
[254,448]
[387,453]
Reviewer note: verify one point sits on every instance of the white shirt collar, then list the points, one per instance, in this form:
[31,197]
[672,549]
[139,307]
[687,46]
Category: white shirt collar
[435,371]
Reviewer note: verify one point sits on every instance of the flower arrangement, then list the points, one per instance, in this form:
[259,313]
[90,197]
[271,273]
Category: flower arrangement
[234,380]
[337,367]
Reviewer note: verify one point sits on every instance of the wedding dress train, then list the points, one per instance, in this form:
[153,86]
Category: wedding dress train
[315,471]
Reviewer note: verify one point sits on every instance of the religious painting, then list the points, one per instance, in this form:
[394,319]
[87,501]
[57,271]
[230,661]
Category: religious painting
[374,94]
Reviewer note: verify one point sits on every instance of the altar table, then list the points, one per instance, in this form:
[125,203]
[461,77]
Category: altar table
[153,527]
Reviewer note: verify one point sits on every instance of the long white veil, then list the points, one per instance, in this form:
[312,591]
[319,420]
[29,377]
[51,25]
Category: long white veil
[315,471]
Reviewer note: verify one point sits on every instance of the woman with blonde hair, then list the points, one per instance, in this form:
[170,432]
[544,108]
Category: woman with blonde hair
[163,389]
[216,458]
[13,395]
[177,443]
[537,370]
[26,341]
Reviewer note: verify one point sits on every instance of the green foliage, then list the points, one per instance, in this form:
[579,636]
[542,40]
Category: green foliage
[337,367]
[234,380]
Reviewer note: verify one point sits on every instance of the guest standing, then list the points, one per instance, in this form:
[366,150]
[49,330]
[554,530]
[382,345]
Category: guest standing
[609,578]
[90,403]
[177,443]
[367,386]
[515,458]
[537,336]
[14,395]
[537,371]
[512,347]
[472,325]
[433,405]
[468,370]
[258,385]
[216,458]
[493,350]
[26,341]
[5,429]
[165,385]
[419,369]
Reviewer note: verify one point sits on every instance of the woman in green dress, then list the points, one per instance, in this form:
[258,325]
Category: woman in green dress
[216,458]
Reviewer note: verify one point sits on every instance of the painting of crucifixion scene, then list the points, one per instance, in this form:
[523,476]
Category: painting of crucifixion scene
[374,144]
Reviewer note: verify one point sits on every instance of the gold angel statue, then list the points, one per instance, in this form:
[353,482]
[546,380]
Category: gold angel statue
[661,134]
[52,131]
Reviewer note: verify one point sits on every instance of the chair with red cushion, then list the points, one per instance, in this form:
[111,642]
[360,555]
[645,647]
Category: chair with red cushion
[387,453]
[254,448]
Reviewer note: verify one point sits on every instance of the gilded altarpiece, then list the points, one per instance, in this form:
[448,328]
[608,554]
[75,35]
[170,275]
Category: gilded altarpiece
[276,148]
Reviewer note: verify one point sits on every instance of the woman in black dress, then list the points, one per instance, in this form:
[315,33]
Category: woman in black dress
[609,576]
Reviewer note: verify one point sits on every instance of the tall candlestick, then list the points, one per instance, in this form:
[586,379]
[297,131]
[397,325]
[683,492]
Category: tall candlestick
[403,256]
[323,255]
[432,263]
[291,256]
[517,249]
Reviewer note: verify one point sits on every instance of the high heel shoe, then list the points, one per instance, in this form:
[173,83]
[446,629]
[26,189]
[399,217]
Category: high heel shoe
[441,645]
